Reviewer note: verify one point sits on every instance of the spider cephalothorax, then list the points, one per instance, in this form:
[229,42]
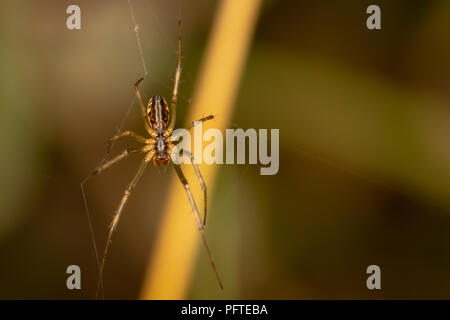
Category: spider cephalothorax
[161,148]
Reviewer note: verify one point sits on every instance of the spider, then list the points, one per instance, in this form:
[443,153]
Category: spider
[159,122]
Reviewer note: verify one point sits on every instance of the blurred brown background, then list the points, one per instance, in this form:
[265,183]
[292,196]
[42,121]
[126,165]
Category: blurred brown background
[364,174]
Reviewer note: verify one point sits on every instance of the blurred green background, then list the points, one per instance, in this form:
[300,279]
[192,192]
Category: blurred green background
[364,119]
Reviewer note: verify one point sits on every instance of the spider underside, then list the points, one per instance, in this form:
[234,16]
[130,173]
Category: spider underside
[159,122]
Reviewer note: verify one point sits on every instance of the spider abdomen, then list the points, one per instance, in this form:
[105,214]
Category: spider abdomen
[158,113]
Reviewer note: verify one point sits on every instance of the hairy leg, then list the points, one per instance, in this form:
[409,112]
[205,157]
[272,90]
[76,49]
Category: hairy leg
[119,209]
[127,133]
[199,222]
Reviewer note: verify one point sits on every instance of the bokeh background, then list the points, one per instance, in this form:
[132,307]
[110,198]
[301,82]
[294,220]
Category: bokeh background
[364,119]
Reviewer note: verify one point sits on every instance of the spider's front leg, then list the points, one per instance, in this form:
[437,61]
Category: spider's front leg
[200,179]
[199,222]
[119,209]
[97,171]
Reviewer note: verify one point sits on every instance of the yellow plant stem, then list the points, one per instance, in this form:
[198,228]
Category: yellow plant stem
[172,261]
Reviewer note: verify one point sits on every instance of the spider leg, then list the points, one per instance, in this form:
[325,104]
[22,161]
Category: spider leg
[199,222]
[173,105]
[97,171]
[196,122]
[200,179]
[120,207]
[126,133]
[143,109]
[125,153]
[189,127]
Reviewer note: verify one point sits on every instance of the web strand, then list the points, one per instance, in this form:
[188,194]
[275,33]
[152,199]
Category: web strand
[94,243]
[100,288]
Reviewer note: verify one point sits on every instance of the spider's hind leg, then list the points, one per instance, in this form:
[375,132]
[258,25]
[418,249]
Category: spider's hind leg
[173,104]
[143,109]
